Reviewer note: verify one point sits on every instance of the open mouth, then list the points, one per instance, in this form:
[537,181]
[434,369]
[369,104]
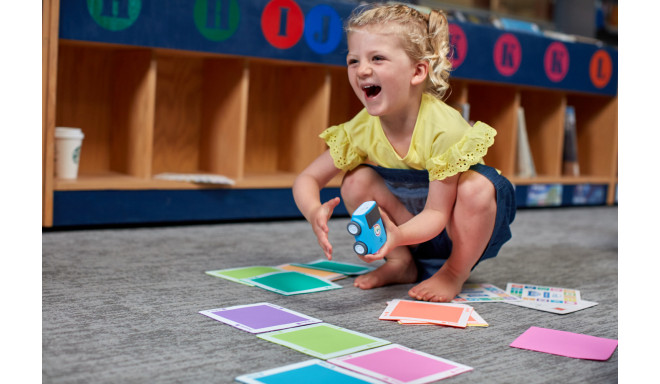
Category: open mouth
[371,90]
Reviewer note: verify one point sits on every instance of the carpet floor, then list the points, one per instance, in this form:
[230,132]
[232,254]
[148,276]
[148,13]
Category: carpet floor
[121,305]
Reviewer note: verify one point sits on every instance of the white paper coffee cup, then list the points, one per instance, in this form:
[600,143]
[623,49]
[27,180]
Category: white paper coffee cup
[68,142]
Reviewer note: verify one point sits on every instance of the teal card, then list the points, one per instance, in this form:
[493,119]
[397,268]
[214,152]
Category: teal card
[291,283]
[310,371]
[236,274]
[335,266]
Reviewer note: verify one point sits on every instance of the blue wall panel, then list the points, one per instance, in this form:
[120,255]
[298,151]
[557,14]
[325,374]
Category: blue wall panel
[84,208]
[312,31]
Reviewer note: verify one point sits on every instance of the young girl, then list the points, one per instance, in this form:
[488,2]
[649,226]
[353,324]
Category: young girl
[443,209]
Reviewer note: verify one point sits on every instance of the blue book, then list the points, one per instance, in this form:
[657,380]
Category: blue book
[518,25]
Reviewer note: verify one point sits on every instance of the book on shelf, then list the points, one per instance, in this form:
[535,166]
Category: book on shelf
[464,109]
[200,178]
[571,167]
[525,162]
[516,25]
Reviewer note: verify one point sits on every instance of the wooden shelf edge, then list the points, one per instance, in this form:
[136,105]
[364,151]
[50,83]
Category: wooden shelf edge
[118,181]
[568,180]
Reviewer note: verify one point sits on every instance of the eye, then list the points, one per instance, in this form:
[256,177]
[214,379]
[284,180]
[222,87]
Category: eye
[351,61]
[378,58]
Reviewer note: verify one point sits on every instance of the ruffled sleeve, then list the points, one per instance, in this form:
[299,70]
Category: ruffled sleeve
[344,154]
[460,156]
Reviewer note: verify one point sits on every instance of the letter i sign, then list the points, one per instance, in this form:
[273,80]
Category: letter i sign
[282,23]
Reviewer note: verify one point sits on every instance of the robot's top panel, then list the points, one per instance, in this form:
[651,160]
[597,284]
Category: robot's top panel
[372,216]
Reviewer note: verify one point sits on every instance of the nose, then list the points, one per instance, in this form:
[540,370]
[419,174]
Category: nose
[364,69]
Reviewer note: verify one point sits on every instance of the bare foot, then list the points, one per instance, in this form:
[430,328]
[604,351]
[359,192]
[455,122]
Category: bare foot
[394,271]
[443,286]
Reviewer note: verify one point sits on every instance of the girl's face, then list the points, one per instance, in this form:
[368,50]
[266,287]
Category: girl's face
[381,74]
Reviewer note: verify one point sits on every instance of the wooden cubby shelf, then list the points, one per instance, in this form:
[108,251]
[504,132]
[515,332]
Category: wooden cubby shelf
[251,112]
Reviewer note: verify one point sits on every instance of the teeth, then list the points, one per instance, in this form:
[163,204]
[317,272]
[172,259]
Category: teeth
[371,90]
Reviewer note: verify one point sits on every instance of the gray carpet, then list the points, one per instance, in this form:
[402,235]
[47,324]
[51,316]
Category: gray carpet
[121,305]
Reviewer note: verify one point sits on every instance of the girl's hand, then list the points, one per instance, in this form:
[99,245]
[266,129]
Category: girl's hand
[319,223]
[393,235]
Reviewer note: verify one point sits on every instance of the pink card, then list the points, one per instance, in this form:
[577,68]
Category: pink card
[396,364]
[563,343]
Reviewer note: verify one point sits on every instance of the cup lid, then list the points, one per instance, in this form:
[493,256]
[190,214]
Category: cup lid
[68,133]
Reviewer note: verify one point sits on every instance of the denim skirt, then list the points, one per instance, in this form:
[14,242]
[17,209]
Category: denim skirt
[411,187]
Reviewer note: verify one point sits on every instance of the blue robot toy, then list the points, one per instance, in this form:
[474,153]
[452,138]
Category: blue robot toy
[368,228]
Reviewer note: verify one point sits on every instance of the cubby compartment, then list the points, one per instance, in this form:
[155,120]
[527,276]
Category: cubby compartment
[108,93]
[288,108]
[200,114]
[497,106]
[544,122]
[344,104]
[457,94]
[597,135]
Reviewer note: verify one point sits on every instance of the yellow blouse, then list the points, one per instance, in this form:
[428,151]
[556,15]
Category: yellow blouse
[442,142]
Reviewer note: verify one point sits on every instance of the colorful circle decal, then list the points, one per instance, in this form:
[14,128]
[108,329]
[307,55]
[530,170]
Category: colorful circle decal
[600,68]
[459,45]
[282,23]
[556,61]
[114,15]
[323,29]
[217,20]
[507,54]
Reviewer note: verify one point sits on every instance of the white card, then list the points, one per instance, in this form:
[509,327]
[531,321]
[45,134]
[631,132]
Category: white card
[560,309]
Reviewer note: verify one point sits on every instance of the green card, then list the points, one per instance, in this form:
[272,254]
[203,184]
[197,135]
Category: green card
[323,341]
[291,283]
[335,266]
[236,274]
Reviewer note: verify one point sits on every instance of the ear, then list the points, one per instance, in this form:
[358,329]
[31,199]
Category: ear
[421,72]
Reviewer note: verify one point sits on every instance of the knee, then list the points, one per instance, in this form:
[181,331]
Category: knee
[476,192]
[356,186]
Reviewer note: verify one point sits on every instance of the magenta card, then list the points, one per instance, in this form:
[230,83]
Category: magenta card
[564,343]
[397,364]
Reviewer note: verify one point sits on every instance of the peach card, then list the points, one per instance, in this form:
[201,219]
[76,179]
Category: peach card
[454,315]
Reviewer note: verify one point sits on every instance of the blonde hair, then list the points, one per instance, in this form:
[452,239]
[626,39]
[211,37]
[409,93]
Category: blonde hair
[425,37]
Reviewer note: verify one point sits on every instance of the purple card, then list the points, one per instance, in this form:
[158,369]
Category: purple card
[564,343]
[260,317]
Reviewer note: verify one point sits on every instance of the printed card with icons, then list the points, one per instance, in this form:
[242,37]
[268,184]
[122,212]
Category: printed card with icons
[549,299]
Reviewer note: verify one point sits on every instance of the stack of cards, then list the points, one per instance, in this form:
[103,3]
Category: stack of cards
[335,266]
[293,278]
[422,312]
[284,282]
[328,275]
[549,299]
[482,293]
[291,283]
[238,274]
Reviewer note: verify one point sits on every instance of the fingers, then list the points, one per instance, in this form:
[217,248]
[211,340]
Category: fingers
[371,258]
[332,203]
[326,211]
